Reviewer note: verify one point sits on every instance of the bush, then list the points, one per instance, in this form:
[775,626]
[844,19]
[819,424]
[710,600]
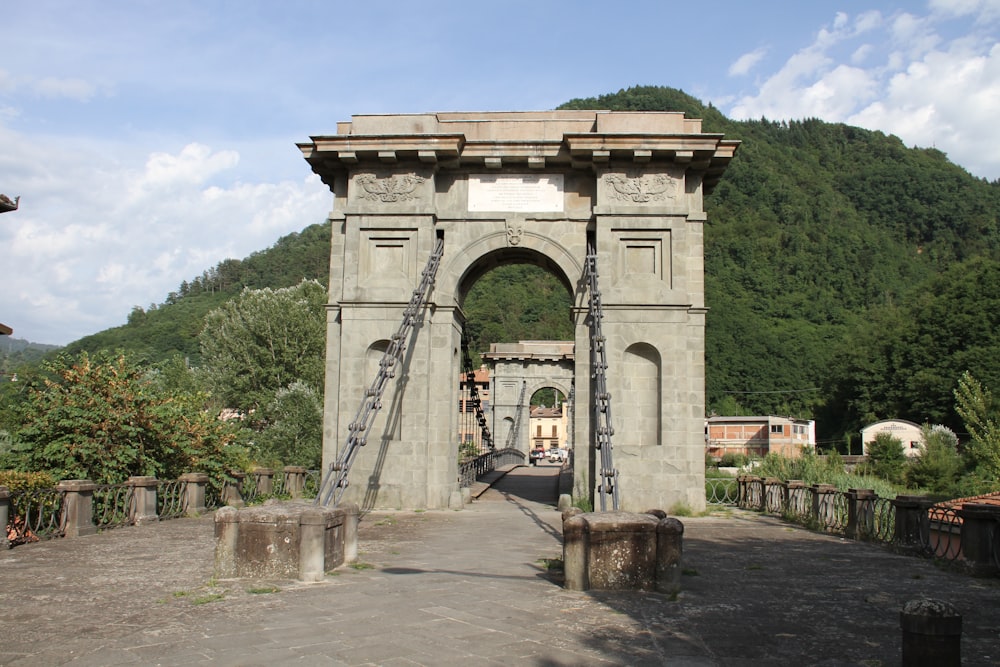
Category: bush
[886,458]
[101,418]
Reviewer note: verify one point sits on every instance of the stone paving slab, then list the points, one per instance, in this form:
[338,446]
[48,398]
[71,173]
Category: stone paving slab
[474,587]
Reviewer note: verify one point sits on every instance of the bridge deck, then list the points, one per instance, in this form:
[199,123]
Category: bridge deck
[450,588]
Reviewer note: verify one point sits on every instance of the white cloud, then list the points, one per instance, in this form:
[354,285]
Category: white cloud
[100,230]
[74,89]
[746,62]
[927,89]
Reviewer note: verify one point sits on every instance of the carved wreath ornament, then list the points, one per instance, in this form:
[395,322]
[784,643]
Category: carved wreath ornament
[641,189]
[398,187]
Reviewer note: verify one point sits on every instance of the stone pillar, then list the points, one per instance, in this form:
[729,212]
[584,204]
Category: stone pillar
[312,544]
[142,508]
[231,492]
[979,525]
[669,549]
[4,516]
[932,634]
[912,522]
[265,481]
[195,484]
[860,513]
[227,534]
[295,480]
[351,516]
[77,517]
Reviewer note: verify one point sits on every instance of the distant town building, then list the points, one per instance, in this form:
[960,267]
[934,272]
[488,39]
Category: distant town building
[758,436]
[549,427]
[906,431]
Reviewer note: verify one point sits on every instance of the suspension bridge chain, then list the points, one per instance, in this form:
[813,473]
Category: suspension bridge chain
[335,482]
[474,400]
[515,429]
[602,399]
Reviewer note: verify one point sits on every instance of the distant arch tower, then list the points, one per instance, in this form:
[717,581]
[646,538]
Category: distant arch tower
[520,187]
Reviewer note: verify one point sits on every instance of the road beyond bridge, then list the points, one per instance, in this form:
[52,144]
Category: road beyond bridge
[476,587]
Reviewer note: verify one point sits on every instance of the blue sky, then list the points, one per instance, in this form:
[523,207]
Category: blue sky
[150,140]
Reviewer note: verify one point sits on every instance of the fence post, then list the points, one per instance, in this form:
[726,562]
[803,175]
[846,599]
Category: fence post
[979,525]
[265,481]
[195,484]
[142,509]
[912,521]
[231,492]
[77,517]
[295,480]
[4,516]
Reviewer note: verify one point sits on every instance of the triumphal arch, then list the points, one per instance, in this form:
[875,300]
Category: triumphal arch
[497,188]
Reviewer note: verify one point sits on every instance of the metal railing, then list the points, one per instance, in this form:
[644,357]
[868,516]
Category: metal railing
[967,534]
[112,505]
[470,471]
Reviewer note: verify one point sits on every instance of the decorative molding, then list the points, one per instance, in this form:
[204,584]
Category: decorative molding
[642,188]
[398,187]
[515,230]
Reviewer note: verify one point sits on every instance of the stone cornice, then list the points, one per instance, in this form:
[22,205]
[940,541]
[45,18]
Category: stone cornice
[534,140]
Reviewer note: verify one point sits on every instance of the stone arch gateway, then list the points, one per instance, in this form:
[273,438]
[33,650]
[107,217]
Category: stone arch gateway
[505,187]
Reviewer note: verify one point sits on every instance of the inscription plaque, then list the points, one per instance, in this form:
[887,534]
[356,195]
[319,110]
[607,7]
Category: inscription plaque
[517,193]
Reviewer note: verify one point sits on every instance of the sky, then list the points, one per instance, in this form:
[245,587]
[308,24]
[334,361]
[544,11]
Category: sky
[151,140]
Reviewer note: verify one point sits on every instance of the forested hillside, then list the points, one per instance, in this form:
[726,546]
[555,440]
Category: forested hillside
[849,278]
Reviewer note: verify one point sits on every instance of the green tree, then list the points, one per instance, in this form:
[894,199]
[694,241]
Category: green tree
[293,434]
[886,458]
[102,418]
[975,404]
[939,464]
[262,342]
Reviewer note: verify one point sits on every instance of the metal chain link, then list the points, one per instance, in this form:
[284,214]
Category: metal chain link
[475,400]
[602,399]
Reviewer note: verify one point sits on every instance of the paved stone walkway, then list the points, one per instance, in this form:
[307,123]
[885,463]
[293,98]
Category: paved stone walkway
[476,587]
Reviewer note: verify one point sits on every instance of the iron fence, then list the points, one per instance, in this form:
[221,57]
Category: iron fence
[171,501]
[968,535]
[112,505]
[34,515]
[473,469]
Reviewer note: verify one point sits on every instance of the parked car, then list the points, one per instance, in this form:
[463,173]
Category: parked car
[556,455]
[537,455]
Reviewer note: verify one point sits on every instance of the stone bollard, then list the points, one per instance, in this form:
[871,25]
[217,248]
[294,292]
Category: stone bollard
[295,480]
[265,481]
[932,634]
[77,517]
[4,516]
[143,505]
[195,484]
[911,521]
[979,526]
[669,549]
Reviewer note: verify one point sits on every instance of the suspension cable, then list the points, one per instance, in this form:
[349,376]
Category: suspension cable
[486,438]
[335,482]
[603,429]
